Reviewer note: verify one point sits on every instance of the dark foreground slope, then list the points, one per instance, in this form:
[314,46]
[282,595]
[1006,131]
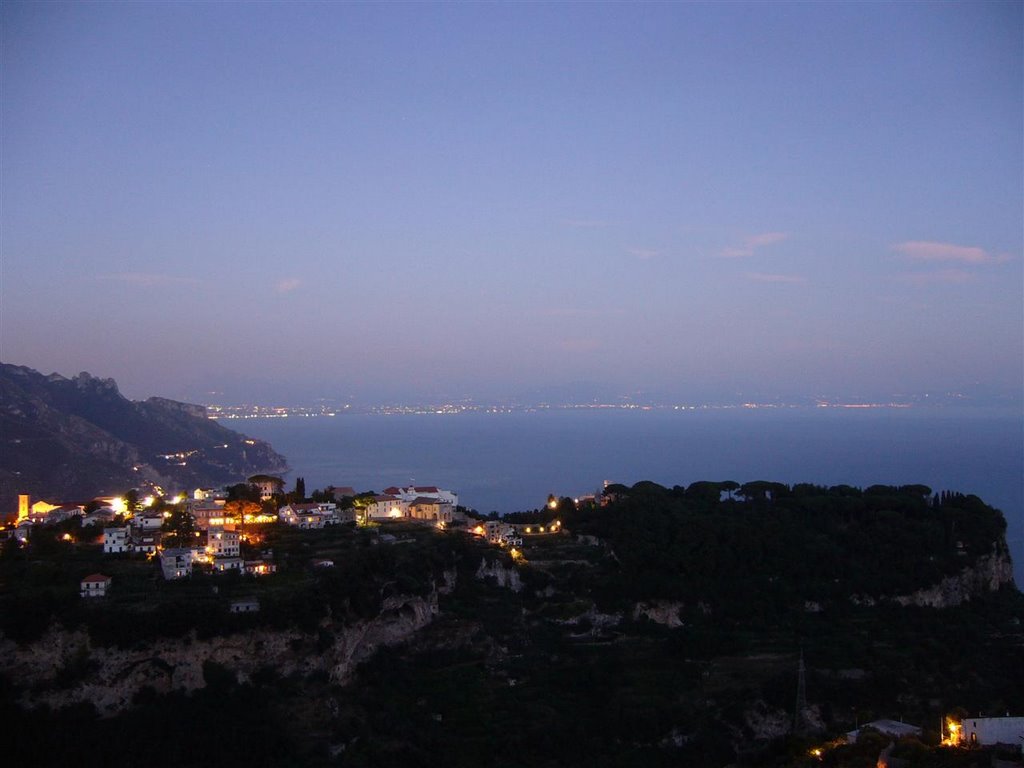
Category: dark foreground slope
[71,439]
[664,629]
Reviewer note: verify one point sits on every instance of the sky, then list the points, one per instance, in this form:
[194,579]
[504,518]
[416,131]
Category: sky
[237,202]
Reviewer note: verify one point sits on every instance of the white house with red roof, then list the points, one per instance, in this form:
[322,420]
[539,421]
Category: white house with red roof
[413,492]
[387,506]
[310,514]
[95,585]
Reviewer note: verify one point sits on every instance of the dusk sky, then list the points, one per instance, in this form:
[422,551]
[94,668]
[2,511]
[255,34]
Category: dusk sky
[414,201]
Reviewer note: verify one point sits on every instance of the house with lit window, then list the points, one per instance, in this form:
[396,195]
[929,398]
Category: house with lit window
[428,508]
[207,512]
[95,585]
[259,567]
[222,543]
[309,515]
[146,542]
[990,731]
[46,513]
[268,485]
[176,562]
[227,564]
[386,506]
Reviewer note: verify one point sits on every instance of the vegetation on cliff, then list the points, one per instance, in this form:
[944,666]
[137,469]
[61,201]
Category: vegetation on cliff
[661,629]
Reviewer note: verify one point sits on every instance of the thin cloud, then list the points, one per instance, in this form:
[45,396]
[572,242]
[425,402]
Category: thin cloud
[924,250]
[149,279]
[752,243]
[947,276]
[287,285]
[761,277]
[644,253]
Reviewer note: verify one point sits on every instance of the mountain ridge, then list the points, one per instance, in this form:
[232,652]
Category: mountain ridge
[78,437]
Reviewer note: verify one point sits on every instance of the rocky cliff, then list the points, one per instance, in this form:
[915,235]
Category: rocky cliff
[70,439]
[109,677]
[987,574]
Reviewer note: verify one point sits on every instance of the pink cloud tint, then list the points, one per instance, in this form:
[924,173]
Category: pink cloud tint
[752,243]
[923,250]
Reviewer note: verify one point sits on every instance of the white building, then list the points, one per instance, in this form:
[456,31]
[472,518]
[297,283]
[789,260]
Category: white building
[95,585]
[46,513]
[148,521]
[101,515]
[989,731]
[386,506]
[222,543]
[309,515]
[226,564]
[412,492]
[146,542]
[176,563]
[268,485]
[429,508]
[207,512]
[116,540]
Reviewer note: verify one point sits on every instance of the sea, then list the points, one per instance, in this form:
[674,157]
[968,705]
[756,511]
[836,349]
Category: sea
[507,462]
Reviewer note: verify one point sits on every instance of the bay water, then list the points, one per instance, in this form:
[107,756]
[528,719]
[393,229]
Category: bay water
[508,462]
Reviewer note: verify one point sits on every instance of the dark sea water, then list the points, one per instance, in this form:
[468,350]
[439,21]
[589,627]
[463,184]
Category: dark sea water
[510,462]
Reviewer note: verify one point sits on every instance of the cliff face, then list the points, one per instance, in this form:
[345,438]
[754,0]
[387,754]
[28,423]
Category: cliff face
[115,675]
[987,574]
[70,439]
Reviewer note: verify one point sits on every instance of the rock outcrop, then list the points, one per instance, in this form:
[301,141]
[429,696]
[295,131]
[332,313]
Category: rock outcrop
[987,574]
[113,676]
[660,612]
[505,577]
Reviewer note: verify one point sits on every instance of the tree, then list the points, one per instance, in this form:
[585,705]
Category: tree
[300,489]
[179,528]
[245,491]
[131,501]
[239,508]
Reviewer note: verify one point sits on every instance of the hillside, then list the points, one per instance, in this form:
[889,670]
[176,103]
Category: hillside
[664,628]
[71,439]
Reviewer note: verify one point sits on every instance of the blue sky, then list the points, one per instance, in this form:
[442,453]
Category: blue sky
[411,201]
